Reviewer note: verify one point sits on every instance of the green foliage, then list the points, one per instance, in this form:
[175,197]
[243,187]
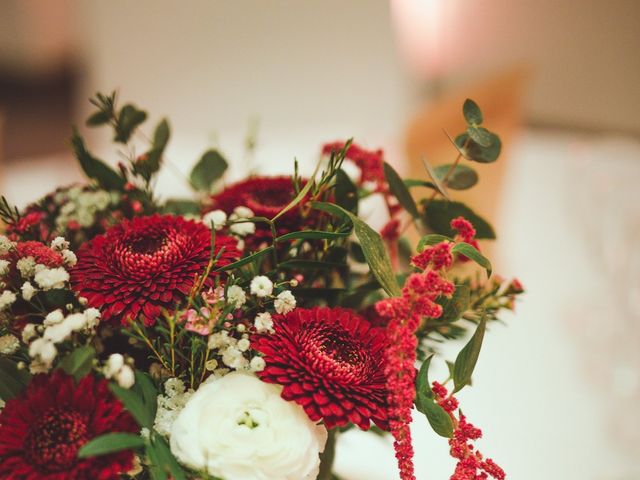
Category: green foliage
[135,404]
[106,109]
[372,246]
[110,443]
[468,357]
[12,380]
[400,190]
[128,119]
[209,168]
[311,235]
[471,112]
[146,390]
[472,253]
[163,461]
[439,214]
[454,307]
[79,362]
[9,214]
[437,417]
[296,200]
[458,177]
[345,192]
[435,181]
[181,206]
[95,168]
[150,162]
[254,257]
[432,239]
[476,152]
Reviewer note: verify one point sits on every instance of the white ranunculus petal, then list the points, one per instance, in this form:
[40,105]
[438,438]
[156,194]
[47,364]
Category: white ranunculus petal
[239,428]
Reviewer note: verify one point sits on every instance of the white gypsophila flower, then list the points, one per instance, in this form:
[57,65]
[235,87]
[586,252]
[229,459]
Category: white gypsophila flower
[50,278]
[216,218]
[44,350]
[219,340]
[236,296]
[4,267]
[69,257]
[9,344]
[232,357]
[170,405]
[263,323]
[242,229]
[5,245]
[6,299]
[57,333]
[92,317]
[244,344]
[26,266]
[29,332]
[53,318]
[76,322]
[261,286]
[59,244]
[243,212]
[125,377]
[238,427]
[113,365]
[28,291]
[284,302]
[174,386]
[257,364]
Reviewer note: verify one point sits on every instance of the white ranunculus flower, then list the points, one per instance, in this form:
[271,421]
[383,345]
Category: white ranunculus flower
[239,428]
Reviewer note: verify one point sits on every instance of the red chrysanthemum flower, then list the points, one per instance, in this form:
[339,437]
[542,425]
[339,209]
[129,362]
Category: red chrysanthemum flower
[146,264]
[42,430]
[330,361]
[266,197]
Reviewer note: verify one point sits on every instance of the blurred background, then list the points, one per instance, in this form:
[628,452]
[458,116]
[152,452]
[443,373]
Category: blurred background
[558,387]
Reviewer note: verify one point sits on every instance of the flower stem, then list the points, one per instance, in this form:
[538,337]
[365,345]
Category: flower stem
[327,457]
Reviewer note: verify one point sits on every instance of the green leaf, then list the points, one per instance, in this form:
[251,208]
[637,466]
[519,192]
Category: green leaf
[439,186]
[150,163]
[480,135]
[439,214]
[411,182]
[147,390]
[472,113]
[345,192]
[476,152]
[296,264]
[297,199]
[372,246]
[432,239]
[423,386]
[454,307]
[243,261]
[98,118]
[472,253]
[129,118]
[79,362]
[110,443]
[94,168]
[400,190]
[165,458]
[438,418]
[156,469]
[134,404]
[209,168]
[468,357]
[312,235]
[461,177]
[12,381]
[181,206]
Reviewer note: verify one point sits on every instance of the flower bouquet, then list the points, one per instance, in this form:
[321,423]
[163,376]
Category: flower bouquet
[234,336]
